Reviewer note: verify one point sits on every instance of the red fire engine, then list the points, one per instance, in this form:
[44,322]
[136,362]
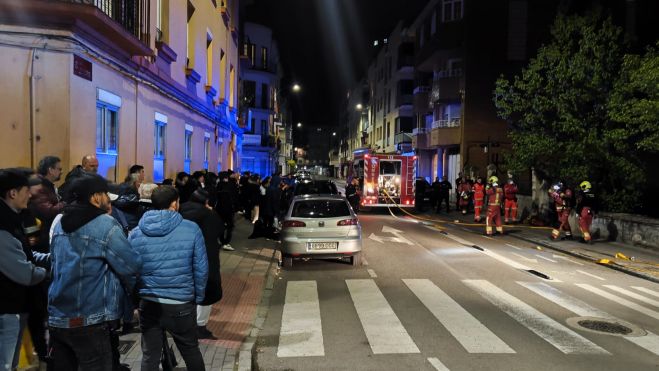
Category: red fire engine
[384,177]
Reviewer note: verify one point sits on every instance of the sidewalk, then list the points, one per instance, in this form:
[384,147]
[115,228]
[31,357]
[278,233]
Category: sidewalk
[634,260]
[246,274]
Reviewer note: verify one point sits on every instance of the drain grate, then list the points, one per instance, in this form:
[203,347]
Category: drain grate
[604,326]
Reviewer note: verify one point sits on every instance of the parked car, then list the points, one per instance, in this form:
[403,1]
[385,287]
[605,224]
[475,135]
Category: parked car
[322,226]
[315,187]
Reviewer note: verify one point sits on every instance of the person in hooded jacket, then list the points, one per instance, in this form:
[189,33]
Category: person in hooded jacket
[93,269]
[172,280]
[198,210]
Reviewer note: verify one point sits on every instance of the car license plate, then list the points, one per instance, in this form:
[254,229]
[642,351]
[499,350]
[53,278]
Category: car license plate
[322,246]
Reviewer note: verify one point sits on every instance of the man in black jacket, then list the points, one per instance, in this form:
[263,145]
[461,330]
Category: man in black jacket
[227,195]
[198,210]
[17,262]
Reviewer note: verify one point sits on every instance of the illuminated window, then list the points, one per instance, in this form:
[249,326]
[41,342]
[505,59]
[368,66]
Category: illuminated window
[209,59]
[189,37]
[188,150]
[159,151]
[107,125]
[264,58]
[207,150]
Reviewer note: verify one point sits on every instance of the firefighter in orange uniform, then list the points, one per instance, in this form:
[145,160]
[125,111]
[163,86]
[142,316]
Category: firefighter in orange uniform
[479,197]
[510,206]
[463,194]
[494,199]
[562,196]
[586,209]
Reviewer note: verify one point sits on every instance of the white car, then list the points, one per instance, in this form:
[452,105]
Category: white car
[320,226]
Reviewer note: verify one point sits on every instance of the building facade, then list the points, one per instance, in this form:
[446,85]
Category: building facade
[259,97]
[134,82]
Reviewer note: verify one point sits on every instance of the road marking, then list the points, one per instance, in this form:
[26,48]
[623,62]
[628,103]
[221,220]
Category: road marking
[647,291]
[383,329]
[437,364]
[505,260]
[398,236]
[650,342]
[525,258]
[472,335]
[545,258]
[301,331]
[633,295]
[371,273]
[513,246]
[567,259]
[458,239]
[591,275]
[621,301]
[561,337]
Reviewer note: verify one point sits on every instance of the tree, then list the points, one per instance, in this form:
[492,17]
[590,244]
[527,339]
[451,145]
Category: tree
[572,118]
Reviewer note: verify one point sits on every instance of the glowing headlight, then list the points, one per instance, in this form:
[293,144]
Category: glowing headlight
[397,180]
[370,189]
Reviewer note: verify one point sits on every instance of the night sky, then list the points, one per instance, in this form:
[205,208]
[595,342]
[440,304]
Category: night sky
[327,45]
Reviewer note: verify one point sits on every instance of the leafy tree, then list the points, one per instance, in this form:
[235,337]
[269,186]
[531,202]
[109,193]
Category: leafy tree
[573,118]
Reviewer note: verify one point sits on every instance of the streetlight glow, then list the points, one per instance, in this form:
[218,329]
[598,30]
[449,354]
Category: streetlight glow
[299,124]
[334,133]
[296,88]
[359,106]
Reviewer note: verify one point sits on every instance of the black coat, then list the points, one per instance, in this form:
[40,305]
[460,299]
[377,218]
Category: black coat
[211,226]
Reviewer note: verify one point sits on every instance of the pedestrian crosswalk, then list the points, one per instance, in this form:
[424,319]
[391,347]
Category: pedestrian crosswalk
[301,333]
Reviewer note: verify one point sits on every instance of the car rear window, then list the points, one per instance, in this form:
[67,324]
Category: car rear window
[320,209]
[315,188]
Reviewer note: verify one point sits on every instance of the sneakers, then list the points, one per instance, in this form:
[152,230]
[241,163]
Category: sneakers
[228,247]
[203,333]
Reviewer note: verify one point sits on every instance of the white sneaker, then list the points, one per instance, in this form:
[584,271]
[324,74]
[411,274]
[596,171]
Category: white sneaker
[228,247]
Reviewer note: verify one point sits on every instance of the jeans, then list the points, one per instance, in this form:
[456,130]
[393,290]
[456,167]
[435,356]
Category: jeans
[180,320]
[82,348]
[9,328]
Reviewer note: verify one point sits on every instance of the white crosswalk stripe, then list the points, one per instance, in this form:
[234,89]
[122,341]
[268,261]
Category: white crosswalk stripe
[646,290]
[561,337]
[383,329]
[301,331]
[473,335]
[633,295]
[650,342]
[437,364]
[619,300]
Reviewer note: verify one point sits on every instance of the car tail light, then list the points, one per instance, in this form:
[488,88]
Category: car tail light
[344,222]
[293,224]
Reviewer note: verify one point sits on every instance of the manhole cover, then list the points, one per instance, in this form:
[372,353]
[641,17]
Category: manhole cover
[606,326]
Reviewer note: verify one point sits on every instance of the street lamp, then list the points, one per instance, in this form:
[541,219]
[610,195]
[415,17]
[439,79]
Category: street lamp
[334,133]
[296,88]
[299,124]
[359,106]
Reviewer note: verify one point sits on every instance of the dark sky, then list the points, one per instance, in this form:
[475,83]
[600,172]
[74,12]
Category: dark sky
[326,45]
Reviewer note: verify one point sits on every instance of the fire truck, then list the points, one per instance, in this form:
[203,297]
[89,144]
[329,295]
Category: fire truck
[384,178]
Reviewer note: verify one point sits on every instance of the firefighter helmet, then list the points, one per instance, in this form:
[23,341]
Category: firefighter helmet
[493,179]
[585,185]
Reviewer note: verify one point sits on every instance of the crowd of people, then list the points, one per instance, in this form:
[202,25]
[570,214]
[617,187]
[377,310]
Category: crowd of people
[78,260]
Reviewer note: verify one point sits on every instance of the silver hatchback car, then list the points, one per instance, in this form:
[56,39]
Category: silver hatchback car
[320,226]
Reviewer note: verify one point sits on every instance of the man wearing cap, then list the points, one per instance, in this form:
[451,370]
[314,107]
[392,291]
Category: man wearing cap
[17,269]
[93,267]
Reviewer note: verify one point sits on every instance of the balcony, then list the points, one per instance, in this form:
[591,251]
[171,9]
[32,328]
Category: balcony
[445,132]
[251,139]
[446,43]
[420,138]
[422,99]
[225,15]
[446,86]
[402,138]
[117,25]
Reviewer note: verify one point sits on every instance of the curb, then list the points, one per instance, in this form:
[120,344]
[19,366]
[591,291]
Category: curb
[246,355]
[586,257]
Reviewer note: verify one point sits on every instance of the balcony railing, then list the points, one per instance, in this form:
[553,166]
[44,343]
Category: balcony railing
[402,138]
[452,123]
[418,131]
[132,15]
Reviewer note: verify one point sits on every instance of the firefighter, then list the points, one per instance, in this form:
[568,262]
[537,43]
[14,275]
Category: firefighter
[464,194]
[510,206]
[352,194]
[479,197]
[562,197]
[494,199]
[586,209]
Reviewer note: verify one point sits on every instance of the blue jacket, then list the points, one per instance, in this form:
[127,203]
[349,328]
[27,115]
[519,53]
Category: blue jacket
[174,255]
[89,266]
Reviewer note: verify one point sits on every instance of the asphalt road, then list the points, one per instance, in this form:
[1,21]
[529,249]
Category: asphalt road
[426,300]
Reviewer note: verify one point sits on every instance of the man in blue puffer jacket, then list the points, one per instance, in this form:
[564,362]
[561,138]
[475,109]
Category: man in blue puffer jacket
[172,281]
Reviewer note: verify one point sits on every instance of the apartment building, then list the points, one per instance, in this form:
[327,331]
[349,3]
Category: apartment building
[259,95]
[391,84]
[152,82]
